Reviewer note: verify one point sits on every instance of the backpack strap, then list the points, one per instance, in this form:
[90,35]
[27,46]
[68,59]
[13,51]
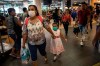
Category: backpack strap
[27,19]
[40,18]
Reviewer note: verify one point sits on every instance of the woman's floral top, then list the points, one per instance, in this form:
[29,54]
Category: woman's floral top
[35,32]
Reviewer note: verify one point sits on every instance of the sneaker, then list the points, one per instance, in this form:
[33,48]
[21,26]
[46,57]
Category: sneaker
[77,37]
[81,43]
[55,58]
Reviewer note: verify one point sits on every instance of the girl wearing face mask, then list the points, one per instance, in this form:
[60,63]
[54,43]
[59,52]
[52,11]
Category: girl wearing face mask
[56,47]
[33,33]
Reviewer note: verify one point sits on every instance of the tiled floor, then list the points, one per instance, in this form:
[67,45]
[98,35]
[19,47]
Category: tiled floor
[74,55]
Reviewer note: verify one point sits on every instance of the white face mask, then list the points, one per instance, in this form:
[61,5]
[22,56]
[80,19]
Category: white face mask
[31,13]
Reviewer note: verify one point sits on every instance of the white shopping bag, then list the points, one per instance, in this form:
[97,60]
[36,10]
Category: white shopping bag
[25,53]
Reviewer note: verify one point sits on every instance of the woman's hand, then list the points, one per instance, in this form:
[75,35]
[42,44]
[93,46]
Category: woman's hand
[23,46]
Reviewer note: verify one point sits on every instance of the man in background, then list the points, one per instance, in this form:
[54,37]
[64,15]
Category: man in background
[14,31]
[25,14]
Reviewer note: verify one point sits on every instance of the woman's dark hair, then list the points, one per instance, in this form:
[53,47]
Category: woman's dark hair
[37,14]
[10,10]
[55,23]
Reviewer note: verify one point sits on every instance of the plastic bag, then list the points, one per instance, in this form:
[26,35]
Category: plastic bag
[25,55]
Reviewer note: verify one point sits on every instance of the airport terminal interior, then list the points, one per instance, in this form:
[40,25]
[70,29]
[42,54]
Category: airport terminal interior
[49,32]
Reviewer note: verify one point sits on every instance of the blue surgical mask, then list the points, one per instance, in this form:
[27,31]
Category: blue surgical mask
[55,28]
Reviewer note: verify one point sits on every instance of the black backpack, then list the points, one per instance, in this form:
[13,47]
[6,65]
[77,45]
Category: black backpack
[17,29]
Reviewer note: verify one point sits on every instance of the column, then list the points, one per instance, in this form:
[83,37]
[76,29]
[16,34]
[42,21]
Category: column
[25,4]
[38,4]
[64,5]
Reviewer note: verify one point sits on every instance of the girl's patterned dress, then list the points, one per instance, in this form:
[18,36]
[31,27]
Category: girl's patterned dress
[56,46]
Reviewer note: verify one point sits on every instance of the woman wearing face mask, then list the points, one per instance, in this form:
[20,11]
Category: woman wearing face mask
[33,33]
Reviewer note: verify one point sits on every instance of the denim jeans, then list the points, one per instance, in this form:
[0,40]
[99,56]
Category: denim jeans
[33,50]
